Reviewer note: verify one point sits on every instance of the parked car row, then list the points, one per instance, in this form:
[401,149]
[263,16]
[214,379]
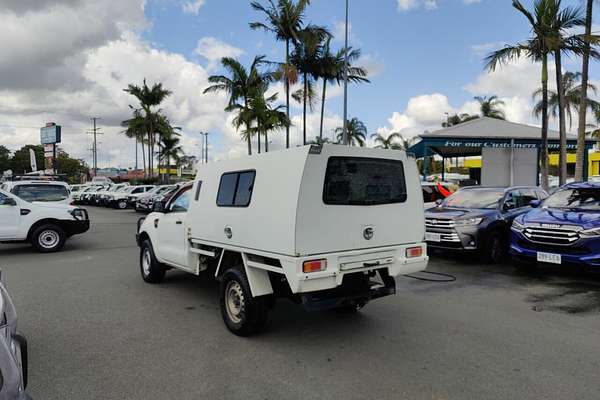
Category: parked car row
[523,222]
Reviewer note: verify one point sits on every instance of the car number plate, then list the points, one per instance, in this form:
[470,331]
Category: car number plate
[549,258]
[433,237]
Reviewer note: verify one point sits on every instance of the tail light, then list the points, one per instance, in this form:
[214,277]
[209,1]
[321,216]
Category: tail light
[314,266]
[414,252]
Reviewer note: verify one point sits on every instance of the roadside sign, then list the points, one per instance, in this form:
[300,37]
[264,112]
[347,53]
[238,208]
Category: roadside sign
[50,134]
[32,160]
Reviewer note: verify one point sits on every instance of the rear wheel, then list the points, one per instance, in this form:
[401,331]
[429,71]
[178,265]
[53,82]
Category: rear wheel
[494,251]
[122,204]
[352,307]
[48,238]
[152,271]
[243,314]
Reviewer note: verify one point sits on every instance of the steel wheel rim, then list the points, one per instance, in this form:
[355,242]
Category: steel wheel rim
[48,239]
[234,301]
[122,205]
[146,261]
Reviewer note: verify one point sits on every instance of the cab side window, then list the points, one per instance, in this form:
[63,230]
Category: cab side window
[3,199]
[182,202]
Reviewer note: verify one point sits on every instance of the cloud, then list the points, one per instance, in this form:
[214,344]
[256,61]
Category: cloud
[192,7]
[214,49]
[406,5]
[482,50]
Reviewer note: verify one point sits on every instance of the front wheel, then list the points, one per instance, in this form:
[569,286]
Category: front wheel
[243,314]
[495,249]
[48,238]
[152,271]
[524,266]
[122,204]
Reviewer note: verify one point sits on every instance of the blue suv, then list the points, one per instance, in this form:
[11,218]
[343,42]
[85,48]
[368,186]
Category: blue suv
[563,229]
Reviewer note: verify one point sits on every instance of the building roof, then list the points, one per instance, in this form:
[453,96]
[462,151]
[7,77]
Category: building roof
[492,128]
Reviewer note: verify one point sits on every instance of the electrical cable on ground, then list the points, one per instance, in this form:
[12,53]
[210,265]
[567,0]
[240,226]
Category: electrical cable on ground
[450,278]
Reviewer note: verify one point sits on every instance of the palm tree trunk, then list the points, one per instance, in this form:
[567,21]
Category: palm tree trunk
[258,134]
[580,158]
[287,92]
[544,144]
[323,108]
[143,155]
[562,175]
[266,142]
[150,155]
[168,177]
[305,95]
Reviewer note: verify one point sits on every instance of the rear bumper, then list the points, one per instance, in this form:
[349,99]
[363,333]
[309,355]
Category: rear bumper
[391,259]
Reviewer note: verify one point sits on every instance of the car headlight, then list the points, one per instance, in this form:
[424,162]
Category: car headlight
[590,232]
[79,214]
[516,225]
[468,222]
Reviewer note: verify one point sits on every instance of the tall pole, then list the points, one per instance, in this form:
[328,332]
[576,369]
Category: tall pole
[202,148]
[345,128]
[95,145]
[206,148]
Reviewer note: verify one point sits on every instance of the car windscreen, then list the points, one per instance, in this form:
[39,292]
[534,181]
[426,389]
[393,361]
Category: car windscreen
[360,181]
[479,198]
[581,198]
[41,192]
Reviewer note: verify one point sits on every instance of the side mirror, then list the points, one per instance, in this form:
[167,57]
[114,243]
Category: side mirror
[507,206]
[159,207]
[535,203]
[438,202]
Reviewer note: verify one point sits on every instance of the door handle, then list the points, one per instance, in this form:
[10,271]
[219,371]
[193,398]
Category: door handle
[178,222]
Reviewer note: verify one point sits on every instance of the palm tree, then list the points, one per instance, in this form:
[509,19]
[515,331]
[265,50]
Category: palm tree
[536,48]
[331,70]
[268,117]
[583,95]
[135,129]
[491,107]
[458,119]
[562,23]
[572,97]
[356,131]
[305,58]
[284,19]
[149,98]
[169,149]
[241,85]
[386,142]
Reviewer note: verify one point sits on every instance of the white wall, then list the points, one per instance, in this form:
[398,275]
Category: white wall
[496,167]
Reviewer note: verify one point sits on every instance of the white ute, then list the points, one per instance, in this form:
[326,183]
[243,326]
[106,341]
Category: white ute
[46,226]
[328,227]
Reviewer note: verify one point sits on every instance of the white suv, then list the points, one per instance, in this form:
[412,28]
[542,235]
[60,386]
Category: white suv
[40,191]
[46,226]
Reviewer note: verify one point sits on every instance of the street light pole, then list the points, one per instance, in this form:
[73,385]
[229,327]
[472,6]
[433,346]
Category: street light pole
[345,127]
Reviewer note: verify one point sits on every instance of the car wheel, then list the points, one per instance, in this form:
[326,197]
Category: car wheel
[122,205]
[48,238]
[351,308]
[243,314]
[495,249]
[152,271]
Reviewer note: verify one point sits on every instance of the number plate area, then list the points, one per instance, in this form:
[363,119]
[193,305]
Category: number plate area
[549,258]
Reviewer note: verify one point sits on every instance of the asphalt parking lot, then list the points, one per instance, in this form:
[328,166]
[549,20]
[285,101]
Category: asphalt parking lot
[97,331]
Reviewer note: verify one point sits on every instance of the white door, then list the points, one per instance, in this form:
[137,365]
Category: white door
[10,216]
[171,231]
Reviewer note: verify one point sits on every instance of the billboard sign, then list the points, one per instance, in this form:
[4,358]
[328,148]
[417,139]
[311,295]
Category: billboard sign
[50,134]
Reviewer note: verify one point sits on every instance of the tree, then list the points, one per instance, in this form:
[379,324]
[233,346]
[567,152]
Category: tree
[356,131]
[305,58]
[4,159]
[169,149]
[72,168]
[149,98]
[268,118]
[386,142]
[563,21]
[458,119]
[331,70]
[284,19]
[241,85]
[583,95]
[491,107]
[20,162]
[536,48]
[572,98]
[135,128]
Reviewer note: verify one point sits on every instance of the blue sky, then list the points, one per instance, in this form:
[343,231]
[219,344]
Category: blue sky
[64,61]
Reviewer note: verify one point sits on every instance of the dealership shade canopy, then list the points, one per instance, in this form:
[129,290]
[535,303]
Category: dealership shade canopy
[469,138]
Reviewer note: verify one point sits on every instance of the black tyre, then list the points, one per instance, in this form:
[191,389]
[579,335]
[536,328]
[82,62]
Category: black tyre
[352,307]
[48,238]
[121,204]
[152,271]
[495,249]
[243,314]
[524,266]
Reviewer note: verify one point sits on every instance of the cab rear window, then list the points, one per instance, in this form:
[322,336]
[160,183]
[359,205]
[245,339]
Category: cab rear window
[359,181]
[41,192]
